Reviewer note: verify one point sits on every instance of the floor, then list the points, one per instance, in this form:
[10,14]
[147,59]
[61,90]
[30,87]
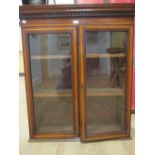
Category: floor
[111,147]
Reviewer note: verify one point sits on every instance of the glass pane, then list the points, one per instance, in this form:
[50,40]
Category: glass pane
[105,114]
[106,53]
[50,56]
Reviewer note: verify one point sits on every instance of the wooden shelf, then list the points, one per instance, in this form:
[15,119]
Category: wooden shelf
[63,93]
[105,92]
[106,55]
[90,92]
[40,57]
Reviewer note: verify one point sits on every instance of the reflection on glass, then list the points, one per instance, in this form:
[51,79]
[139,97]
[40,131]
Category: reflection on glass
[50,56]
[64,82]
[106,64]
[105,114]
[53,114]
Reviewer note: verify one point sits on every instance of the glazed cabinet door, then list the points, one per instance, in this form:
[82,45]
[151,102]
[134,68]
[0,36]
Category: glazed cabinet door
[50,56]
[105,81]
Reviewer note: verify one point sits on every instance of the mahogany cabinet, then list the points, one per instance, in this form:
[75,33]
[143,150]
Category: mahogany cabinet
[78,70]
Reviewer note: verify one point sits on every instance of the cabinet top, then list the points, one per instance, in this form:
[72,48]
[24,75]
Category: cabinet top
[32,12]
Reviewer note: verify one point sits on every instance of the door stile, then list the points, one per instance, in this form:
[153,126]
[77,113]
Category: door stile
[82,83]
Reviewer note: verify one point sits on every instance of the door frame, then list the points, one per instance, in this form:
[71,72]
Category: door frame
[82,83]
[28,79]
